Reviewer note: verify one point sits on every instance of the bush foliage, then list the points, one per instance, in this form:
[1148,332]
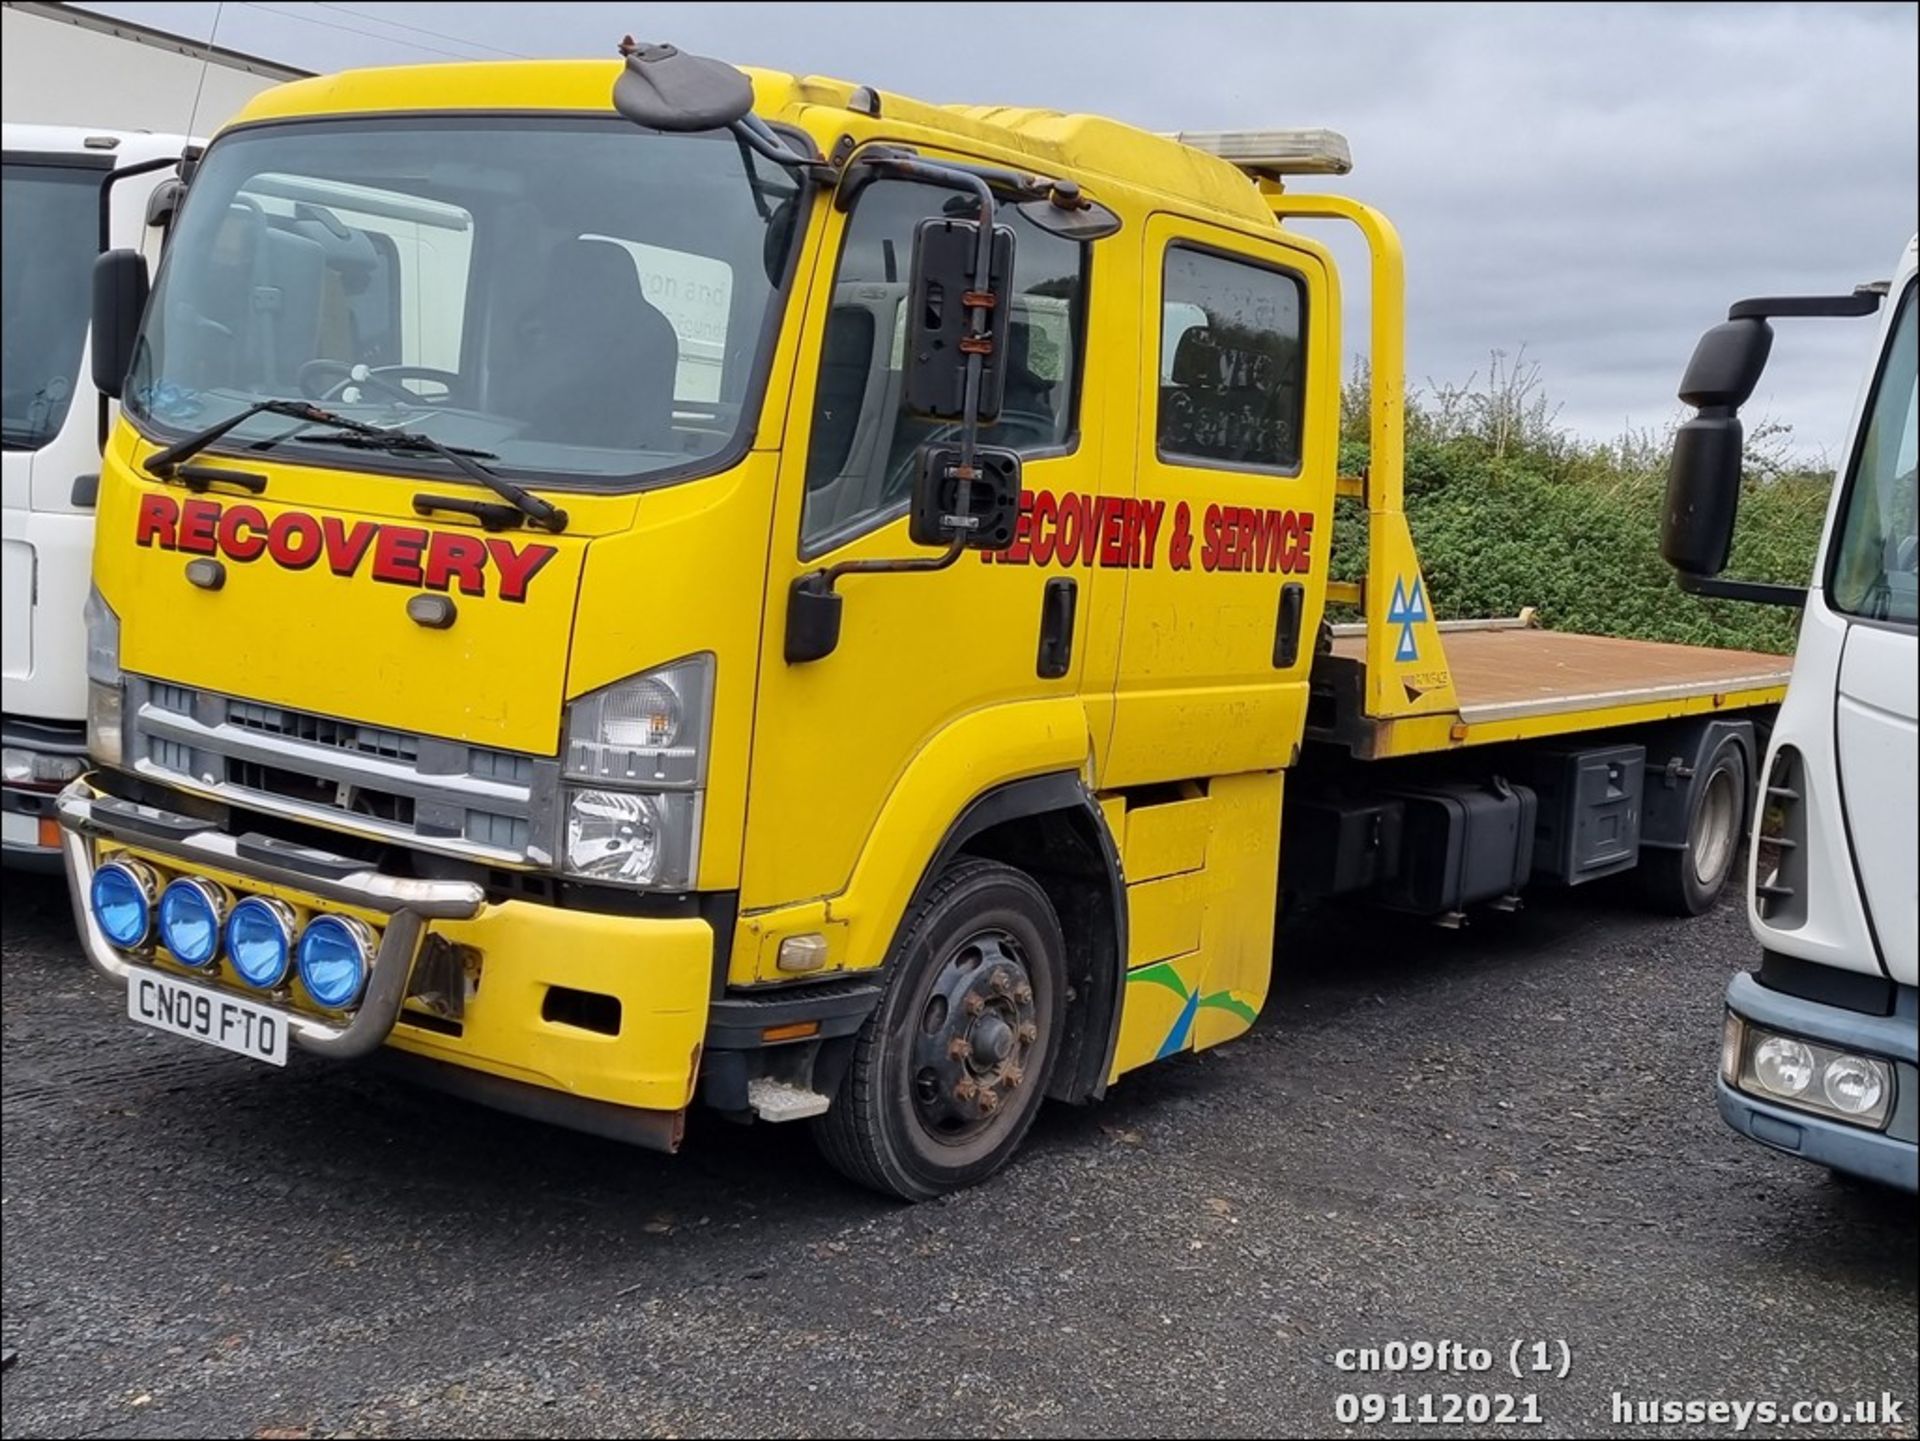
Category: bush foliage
[1510,510]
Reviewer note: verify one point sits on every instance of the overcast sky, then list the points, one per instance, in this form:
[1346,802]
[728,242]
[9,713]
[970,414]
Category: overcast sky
[1595,183]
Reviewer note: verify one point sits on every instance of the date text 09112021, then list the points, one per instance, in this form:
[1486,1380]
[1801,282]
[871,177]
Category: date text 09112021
[1437,1408]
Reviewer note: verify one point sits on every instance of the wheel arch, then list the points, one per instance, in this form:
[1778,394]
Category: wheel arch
[1677,756]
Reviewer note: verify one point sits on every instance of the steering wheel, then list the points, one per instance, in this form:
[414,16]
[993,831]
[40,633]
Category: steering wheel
[314,385]
[1906,555]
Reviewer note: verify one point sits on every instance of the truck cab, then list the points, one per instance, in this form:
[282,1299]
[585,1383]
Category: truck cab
[1818,1058]
[70,193]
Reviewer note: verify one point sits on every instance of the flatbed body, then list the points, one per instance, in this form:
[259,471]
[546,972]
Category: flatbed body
[1513,681]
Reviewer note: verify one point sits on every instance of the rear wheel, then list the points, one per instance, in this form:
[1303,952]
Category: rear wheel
[949,1071]
[1687,882]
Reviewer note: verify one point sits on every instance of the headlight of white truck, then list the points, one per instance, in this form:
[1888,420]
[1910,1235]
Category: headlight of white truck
[1807,1075]
[636,764]
[104,684]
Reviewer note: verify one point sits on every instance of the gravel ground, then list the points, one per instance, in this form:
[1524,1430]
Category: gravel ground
[1479,1137]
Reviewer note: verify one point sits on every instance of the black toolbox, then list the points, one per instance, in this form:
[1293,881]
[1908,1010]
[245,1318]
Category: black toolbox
[1333,845]
[1591,803]
[1461,842]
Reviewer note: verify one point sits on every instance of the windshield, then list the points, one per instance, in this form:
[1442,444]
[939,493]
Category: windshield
[1875,566]
[584,300]
[51,223]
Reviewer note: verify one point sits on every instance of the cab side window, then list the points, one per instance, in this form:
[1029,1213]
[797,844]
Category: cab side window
[1231,374]
[860,455]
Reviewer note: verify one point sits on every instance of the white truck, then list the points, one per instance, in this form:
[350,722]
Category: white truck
[81,177]
[69,194]
[1818,1056]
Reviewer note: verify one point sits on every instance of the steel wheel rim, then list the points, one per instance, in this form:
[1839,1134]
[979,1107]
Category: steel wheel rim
[1713,842]
[975,1034]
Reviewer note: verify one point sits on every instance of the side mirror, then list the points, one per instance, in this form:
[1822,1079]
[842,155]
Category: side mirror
[119,297]
[1703,495]
[993,500]
[164,203]
[939,340]
[1703,485]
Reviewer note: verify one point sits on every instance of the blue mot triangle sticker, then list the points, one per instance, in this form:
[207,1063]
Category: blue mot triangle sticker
[1406,611]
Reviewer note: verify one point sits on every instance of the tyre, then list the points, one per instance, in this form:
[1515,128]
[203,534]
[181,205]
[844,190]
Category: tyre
[1687,882]
[949,1070]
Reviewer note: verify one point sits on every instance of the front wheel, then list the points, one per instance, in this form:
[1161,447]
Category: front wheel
[1687,882]
[949,1070]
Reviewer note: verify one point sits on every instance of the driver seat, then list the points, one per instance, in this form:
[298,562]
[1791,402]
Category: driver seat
[597,363]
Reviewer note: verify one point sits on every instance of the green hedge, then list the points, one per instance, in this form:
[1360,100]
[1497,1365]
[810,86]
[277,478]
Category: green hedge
[1574,531]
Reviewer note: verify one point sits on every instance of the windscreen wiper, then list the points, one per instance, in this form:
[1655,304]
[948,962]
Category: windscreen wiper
[357,433]
[163,464]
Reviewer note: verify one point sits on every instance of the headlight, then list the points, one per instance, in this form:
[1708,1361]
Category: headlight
[335,956]
[635,838]
[1811,1076]
[103,681]
[38,769]
[104,729]
[1852,1084]
[1783,1066]
[103,640]
[260,940]
[121,895]
[191,914]
[647,731]
[640,747]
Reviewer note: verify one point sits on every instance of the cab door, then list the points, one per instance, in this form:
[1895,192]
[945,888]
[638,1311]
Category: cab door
[916,652]
[1233,461]
[1234,467]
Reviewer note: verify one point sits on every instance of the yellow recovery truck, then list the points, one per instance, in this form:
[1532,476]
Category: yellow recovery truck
[628,583]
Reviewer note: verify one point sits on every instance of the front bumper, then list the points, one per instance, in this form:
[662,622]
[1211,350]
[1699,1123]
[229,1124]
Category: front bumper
[1887,1156]
[526,1006]
[29,830]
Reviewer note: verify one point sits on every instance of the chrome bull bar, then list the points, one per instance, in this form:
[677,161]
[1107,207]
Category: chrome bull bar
[408,904]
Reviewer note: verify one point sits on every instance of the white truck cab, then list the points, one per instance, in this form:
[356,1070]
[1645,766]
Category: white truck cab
[1818,1058]
[69,194]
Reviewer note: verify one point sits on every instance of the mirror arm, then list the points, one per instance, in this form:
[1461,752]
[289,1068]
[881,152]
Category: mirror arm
[763,140]
[1757,592]
[1865,300]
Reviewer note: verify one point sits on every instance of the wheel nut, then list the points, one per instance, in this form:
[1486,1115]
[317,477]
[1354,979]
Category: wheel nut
[1000,983]
[1011,1075]
[1028,1032]
[959,1048]
[1023,993]
[975,1003]
[988,1100]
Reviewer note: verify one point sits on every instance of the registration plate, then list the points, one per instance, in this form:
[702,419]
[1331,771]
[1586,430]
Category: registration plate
[220,1020]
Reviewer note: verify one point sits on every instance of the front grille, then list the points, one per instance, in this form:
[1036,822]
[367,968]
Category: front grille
[438,794]
[175,698]
[310,790]
[323,730]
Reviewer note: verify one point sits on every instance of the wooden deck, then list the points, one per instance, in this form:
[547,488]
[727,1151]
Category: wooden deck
[1514,671]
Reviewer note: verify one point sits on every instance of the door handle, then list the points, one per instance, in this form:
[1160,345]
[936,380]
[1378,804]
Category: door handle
[1057,604]
[1286,629]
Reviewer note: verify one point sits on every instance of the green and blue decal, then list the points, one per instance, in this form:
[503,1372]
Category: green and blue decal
[1163,973]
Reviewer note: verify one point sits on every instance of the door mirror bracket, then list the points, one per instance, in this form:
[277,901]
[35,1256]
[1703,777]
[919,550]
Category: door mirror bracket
[965,495]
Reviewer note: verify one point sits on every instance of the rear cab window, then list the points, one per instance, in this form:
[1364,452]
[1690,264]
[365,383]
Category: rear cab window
[1231,363]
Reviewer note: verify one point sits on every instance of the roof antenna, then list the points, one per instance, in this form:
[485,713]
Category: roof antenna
[206,64]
